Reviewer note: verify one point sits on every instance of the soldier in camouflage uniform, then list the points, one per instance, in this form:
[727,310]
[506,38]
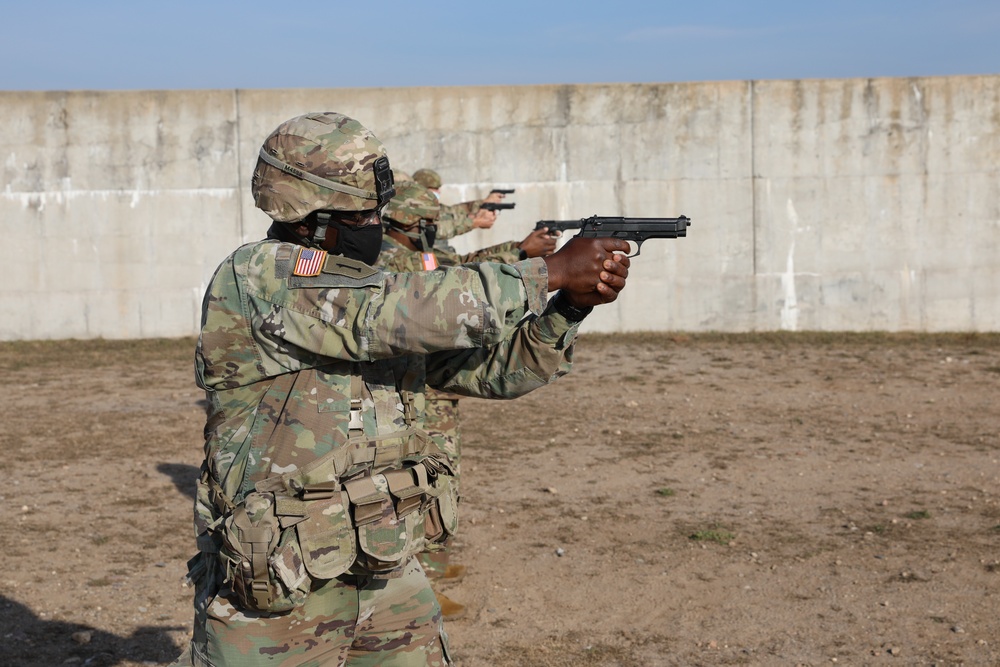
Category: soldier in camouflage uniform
[457,219]
[412,216]
[319,483]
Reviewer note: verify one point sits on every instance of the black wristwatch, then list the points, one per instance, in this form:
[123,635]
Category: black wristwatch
[562,306]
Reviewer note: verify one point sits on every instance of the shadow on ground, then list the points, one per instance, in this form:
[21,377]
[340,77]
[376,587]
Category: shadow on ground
[184,477]
[29,641]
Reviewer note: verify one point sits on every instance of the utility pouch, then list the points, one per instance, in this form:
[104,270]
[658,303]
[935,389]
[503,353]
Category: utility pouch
[385,539]
[326,536]
[441,515]
[262,563]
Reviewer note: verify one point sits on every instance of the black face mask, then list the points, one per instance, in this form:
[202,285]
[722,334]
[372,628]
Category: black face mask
[360,243]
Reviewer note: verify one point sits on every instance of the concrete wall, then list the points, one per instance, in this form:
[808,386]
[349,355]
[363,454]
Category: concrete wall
[817,205]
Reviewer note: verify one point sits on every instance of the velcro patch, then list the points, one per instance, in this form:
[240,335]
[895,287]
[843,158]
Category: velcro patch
[344,266]
[309,262]
[430,261]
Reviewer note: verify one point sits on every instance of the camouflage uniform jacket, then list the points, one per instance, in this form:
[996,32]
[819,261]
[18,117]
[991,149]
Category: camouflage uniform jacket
[395,257]
[284,357]
[456,219]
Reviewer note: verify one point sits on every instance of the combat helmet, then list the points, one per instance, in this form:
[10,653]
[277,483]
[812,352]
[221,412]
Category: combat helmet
[412,204]
[427,178]
[320,162]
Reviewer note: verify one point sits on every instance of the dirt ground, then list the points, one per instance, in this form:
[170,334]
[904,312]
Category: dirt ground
[677,500]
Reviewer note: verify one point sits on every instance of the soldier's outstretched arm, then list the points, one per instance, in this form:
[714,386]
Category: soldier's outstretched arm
[540,348]
[352,312]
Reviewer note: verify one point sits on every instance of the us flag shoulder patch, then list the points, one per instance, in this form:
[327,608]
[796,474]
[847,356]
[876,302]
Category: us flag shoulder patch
[309,262]
[430,261]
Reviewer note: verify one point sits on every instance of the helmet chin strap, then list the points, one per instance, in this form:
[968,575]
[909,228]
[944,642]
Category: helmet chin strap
[414,236]
[319,234]
[322,224]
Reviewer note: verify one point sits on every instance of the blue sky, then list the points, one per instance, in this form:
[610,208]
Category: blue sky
[114,45]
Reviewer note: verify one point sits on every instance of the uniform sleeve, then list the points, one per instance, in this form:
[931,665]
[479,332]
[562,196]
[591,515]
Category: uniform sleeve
[299,322]
[453,308]
[451,225]
[502,252]
[539,351]
[456,220]
[396,259]
[484,328]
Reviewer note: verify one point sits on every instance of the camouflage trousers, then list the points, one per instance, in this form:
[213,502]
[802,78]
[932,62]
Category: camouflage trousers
[442,424]
[354,621]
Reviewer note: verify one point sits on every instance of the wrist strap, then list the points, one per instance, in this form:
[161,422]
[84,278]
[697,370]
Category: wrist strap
[562,306]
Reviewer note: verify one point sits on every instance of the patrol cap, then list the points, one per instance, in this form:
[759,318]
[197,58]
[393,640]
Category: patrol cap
[427,178]
[320,162]
[412,203]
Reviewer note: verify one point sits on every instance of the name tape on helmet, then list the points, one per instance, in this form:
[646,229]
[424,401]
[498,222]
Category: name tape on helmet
[315,180]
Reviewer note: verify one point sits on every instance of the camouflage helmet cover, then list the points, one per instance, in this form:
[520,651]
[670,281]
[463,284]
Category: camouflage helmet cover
[320,162]
[412,203]
[427,178]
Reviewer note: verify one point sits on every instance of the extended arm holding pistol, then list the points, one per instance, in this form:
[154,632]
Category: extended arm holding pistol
[628,229]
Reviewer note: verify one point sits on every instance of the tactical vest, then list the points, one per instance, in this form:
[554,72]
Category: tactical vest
[361,504]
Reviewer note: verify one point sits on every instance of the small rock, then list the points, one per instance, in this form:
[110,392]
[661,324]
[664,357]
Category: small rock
[958,629]
[551,490]
[82,637]
[560,552]
[895,650]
